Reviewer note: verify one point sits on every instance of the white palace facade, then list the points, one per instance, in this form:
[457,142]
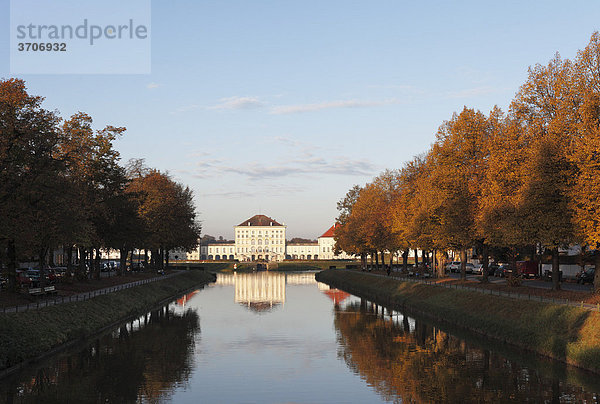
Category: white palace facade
[263,238]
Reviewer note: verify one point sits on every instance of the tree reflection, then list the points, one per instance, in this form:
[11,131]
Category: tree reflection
[406,360]
[142,361]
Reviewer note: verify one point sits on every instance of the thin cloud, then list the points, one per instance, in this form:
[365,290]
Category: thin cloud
[271,189]
[309,165]
[472,92]
[238,103]
[299,108]
[186,108]
[152,86]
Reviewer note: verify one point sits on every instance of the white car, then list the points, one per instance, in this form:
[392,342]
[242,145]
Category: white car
[478,269]
[454,266]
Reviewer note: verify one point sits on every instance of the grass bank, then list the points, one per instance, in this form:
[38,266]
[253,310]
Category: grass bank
[32,334]
[562,332]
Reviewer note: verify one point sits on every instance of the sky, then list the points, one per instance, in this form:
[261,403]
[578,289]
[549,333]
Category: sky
[280,107]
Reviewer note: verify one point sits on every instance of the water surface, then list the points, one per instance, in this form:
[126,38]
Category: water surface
[280,338]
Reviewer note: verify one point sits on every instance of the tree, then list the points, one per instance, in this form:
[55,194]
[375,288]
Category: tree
[457,168]
[168,212]
[93,170]
[586,152]
[28,169]
[545,108]
[345,235]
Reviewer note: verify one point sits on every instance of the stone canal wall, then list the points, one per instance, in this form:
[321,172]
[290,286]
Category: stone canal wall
[34,334]
[565,333]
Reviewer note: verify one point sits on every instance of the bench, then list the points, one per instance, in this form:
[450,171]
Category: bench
[51,290]
[40,291]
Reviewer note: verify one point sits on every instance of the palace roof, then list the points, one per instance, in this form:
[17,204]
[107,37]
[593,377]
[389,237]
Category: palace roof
[260,220]
[330,232]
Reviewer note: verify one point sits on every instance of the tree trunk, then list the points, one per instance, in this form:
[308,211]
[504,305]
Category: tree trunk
[416,258]
[42,263]
[371,264]
[131,260]
[81,273]
[153,258]
[167,258]
[11,255]
[463,263]
[424,258]
[555,270]
[376,261]
[597,273]
[97,264]
[485,262]
[69,261]
[122,260]
[405,260]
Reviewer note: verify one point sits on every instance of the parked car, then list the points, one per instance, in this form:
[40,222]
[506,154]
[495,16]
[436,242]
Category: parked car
[586,276]
[23,280]
[492,267]
[469,268]
[59,272]
[527,269]
[478,269]
[503,270]
[34,275]
[454,266]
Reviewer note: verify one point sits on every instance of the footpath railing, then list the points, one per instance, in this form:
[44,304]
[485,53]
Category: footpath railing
[511,295]
[52,301]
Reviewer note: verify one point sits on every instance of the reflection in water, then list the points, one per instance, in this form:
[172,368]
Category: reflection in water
[407,360]
[292,355]
[144,359]
[262,291]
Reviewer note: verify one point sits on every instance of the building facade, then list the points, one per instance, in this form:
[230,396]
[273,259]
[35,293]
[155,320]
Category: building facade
[263,238]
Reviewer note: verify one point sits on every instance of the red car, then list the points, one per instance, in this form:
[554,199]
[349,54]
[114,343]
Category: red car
[527,269]
[23,279]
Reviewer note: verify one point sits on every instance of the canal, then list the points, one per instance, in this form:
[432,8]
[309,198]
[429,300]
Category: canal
[277,338]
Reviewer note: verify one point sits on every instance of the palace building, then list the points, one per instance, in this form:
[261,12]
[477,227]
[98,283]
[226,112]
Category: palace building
[263,238]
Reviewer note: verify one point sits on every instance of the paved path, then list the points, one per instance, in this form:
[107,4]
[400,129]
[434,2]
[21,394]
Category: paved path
[512,295]
[533,283]
[51,301]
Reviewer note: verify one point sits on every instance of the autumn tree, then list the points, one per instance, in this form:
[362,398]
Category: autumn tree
[586,151]
[28,170]
[168,212]
[544,107]
[347,235]
[458,163]
[93,170]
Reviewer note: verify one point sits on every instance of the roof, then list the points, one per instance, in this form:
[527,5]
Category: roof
[330,232]
[260,220]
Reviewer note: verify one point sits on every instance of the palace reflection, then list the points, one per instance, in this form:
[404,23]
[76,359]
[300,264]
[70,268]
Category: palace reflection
[407,360]
[263,291]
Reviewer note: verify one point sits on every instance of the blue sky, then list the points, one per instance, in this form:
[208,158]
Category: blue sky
[280,107]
